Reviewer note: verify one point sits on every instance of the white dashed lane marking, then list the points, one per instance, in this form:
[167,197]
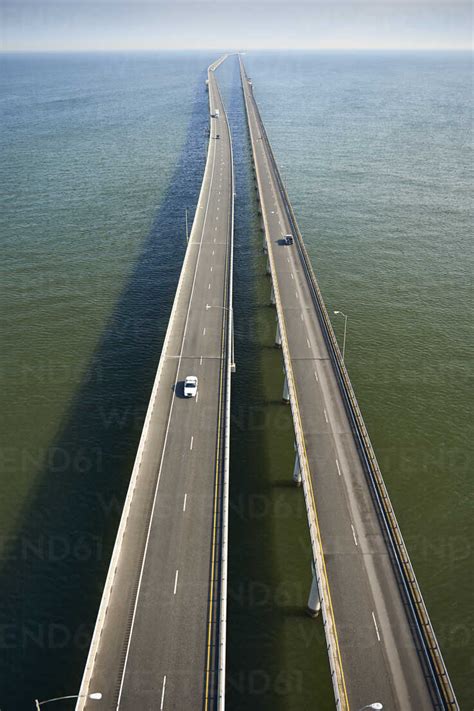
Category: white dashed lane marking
[376,626]
[163,693]
[354,535]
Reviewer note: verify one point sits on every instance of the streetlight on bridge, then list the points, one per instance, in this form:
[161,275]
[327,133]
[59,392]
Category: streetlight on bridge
[376,705]
[343,354]
[96,695]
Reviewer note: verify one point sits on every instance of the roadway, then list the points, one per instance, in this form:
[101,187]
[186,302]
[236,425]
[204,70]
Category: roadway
[157,635]
[373,646]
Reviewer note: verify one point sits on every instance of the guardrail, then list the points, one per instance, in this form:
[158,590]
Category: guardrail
[433,661]
[221,679]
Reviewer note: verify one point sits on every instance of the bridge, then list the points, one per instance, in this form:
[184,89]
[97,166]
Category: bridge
[160,636]
[381,644]
[159,640]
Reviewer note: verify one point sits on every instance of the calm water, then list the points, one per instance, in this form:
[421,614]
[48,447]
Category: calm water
[100,155]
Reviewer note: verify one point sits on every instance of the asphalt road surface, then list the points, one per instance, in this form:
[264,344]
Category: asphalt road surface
[377,648]
[154,647]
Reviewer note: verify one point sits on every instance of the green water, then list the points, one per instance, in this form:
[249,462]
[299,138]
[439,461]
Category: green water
[101,155]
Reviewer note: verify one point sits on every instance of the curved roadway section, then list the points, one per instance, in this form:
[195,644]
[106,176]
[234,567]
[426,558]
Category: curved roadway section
[159,639]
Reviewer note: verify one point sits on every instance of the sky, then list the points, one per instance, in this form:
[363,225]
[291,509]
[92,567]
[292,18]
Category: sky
[82,25]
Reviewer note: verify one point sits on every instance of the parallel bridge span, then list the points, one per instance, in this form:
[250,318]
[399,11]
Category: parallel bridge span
[380,640]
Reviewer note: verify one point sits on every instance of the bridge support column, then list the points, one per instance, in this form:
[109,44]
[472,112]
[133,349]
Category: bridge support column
[297,470]
[264,243]
[268,270]
[272,296]
[314,603]
[286,392]
[278,336]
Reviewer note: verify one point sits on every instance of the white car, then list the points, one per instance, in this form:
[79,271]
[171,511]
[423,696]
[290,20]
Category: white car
[190,386]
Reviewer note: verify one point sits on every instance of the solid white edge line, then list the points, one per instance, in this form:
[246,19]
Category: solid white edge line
[221,680]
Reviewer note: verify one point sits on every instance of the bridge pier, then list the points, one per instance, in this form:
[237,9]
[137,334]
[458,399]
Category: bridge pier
[278,336]
[286,392]
[314,603]
[297,470]
[272,296]
[268,270]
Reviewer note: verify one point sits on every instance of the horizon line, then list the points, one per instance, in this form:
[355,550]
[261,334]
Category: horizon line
[101,50]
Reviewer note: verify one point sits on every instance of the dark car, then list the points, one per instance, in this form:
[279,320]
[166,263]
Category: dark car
[288,239]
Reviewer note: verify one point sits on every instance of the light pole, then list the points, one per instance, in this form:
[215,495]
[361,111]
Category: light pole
[96,695]
[343,355]
[376,705]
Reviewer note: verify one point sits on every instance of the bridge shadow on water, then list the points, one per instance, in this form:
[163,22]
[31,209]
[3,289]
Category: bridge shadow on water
[53,570]
[255,618]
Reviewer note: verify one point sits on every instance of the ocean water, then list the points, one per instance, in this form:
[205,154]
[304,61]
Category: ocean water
[100,157]
[376,151]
